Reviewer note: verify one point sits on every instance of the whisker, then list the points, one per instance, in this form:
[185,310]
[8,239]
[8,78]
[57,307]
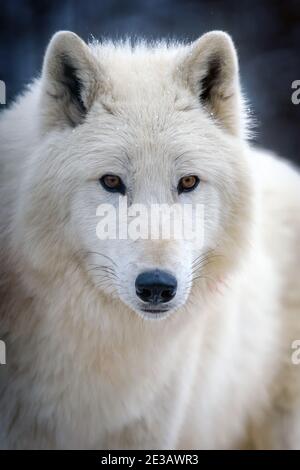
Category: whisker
[102,254]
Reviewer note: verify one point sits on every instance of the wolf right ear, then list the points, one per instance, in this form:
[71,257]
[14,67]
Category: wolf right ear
[70,81]
[210,71]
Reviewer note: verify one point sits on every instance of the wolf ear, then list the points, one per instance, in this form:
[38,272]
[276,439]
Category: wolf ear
[70,79]
[211,72]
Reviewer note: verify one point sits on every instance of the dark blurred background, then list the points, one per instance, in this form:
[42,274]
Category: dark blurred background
[266,33]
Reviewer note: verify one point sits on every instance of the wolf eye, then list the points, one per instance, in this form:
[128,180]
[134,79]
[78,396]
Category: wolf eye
[113,184]
[187,183]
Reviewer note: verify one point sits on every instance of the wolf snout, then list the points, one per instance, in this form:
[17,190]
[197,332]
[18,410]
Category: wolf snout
[156,286]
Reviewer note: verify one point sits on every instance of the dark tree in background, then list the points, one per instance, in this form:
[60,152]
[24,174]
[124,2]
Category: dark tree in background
[266,33]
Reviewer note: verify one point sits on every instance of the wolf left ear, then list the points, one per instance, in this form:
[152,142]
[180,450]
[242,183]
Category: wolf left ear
[210,70]
[70,80]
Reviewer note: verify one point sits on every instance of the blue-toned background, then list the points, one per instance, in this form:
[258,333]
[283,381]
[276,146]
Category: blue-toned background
[266,33]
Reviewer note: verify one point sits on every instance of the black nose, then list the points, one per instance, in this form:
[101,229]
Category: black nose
[155,286]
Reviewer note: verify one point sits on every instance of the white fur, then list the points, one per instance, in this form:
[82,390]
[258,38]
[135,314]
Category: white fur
[84,368]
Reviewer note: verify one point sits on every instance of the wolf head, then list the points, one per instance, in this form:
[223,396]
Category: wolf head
[147,124]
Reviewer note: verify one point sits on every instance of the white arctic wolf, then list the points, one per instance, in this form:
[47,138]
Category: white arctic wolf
[145,343]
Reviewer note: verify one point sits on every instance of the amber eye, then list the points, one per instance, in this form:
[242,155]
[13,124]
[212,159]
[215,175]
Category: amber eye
[187,183]
[113,184]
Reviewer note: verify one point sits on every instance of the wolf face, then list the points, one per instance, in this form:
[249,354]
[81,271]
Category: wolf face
[152,124]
